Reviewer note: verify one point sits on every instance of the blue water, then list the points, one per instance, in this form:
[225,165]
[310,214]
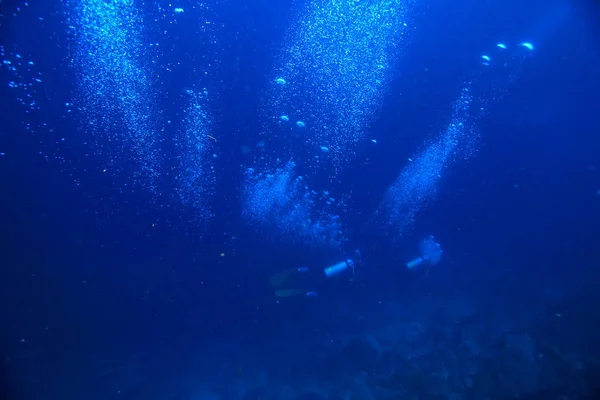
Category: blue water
[164,164]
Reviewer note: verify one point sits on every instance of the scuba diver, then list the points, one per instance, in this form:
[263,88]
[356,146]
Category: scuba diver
[305,281]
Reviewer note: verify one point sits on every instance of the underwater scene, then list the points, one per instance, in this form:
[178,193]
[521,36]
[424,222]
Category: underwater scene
[300,200]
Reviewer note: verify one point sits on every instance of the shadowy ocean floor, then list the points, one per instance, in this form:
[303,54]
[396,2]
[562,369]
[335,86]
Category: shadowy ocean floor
[435,347]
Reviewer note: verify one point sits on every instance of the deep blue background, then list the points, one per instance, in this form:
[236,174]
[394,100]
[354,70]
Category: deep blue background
[86,261]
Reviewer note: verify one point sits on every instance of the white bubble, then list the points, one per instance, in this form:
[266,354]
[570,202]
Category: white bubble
[325,149]
[280,81]
[300,124]
[527,45]
[285,118]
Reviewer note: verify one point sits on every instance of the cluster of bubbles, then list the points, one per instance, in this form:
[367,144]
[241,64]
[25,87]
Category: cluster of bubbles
[16,8]
[333,73]
[115,97]
[418,181]
[195,178]
[328,85]
[280,205]
[24,79]
[26,83]
[502,67]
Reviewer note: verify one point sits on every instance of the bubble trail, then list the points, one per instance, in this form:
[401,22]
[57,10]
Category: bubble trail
[333,72]
[114,94]
[280,205]
[418,181]
[195,180]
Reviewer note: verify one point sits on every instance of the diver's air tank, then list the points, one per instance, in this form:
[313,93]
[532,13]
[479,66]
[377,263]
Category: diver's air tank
[415,263]
[339,267]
